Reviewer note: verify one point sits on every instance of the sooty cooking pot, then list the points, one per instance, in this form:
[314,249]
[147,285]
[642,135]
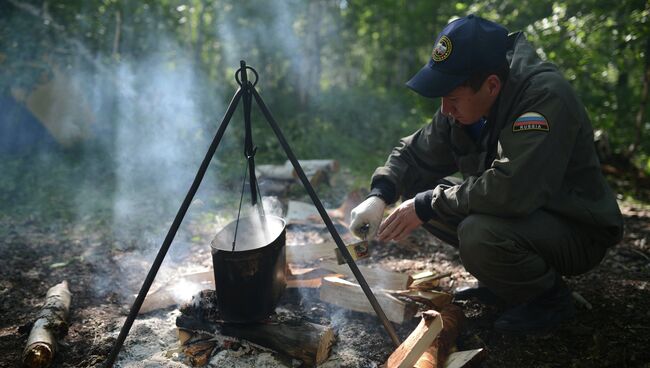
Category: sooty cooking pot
[251,278]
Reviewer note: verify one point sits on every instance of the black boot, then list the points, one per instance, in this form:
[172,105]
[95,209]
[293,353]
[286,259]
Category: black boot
[540,315]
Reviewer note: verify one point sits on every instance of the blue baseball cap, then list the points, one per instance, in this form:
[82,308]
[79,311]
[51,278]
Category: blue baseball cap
[465,46]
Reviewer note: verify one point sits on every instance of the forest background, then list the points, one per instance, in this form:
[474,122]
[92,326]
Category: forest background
[147,83]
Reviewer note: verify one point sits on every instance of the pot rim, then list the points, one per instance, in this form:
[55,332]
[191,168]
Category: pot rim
[214,244]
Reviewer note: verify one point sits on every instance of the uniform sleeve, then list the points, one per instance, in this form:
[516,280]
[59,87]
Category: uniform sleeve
[533,155]
[419,160]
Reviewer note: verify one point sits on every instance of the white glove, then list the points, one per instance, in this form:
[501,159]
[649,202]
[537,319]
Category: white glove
[366,217]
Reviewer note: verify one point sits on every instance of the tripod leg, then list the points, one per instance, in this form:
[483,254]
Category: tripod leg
[172,232]
[328,222]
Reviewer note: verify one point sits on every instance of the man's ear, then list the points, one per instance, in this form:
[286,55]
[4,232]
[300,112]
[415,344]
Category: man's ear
[493,84]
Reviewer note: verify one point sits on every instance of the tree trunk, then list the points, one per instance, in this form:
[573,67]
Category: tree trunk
[640,115]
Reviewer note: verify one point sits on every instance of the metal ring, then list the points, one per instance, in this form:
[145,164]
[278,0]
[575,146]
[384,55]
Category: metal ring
[238,72]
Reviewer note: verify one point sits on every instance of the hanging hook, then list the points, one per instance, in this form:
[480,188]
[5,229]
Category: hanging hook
[243,81]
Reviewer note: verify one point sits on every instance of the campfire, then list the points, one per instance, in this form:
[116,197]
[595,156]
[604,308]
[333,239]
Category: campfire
[323,311]
[254,269]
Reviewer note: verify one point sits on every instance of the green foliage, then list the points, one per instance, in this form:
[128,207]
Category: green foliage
[332,72]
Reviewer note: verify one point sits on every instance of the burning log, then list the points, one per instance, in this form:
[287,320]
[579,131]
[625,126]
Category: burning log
[348,295]
[51,324]
[287,335]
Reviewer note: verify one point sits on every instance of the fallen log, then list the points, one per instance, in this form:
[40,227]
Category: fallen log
[417,342]
[51,324]
[309,342]
[348,295]
[316,171]
[436,355]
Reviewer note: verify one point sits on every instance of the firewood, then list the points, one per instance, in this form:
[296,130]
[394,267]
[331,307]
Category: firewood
[434,299]
[308,253]
[464,358]
[296,338]
[348,295]
[50,325]
[199,353]
[426,280]
[417,342]
[287,172]
[436,355]
[275,172]
[163,296]
[375,277]
[307,277]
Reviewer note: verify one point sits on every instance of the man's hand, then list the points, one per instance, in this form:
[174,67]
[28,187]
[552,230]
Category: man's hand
[365,217]
[399,224]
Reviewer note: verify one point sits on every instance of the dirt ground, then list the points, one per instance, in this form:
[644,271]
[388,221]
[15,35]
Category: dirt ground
[104,266]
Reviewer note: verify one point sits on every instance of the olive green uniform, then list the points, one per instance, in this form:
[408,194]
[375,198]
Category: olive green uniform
[533,201]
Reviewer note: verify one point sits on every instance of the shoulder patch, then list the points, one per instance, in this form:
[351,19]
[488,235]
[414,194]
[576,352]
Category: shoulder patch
[530,121]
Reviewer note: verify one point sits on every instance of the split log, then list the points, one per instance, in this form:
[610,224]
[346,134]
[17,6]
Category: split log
[464,358]
[51,324]
[375,277]
[434,299]
[348,295]
[165,295]
[418,341]
[307,277]
[309,342]
[436,355]
[308,253]
[426,280]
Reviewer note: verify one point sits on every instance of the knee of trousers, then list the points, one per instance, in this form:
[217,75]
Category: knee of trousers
[475,233]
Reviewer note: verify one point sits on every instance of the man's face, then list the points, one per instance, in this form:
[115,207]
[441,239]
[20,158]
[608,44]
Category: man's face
[467,106]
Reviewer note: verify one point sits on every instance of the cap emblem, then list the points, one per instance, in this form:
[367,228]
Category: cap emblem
[442,49]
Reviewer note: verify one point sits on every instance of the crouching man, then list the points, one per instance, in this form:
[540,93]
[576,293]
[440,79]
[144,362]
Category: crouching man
[532,204]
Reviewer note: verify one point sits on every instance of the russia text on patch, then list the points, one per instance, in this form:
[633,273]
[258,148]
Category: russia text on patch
[530,121]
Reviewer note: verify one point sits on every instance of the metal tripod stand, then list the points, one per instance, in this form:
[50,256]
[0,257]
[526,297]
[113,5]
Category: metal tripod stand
[247,92]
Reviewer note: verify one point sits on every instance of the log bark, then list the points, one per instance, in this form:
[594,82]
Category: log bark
[299,339]
[51,324]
